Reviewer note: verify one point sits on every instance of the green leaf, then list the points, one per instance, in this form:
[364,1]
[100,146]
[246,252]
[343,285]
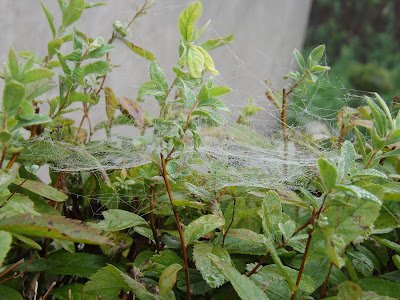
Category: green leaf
[27,241]
[300,60]
[65,263]
[369,173]
[98,68]
[391,153]
[218,91]
[13,96]
[396,260]
[13,64]
[387,110]
[26,111]
[99,52]
[42,189]
[79,97]
[7,176]
[195,61]
[189,97]
[203,93]
[208,62]
[187,19]
[392,245]
[72,12]
[361,144]
[8,293]
[74,56]
[17,205]
[91,4]
[49,18]
[111,103]
[117,219]
[244,287]
[315,56]
[200,227]
[347,160]
[36,120]
[138,50]
[197,284]
[217,118]
[212,44]
[5,245]
[379,118]
[380,286]
[55,227]
[360,193]
[328,173]
[109,281]
[73,292]
[53,46]
[214,102]
[208,270]
[168,279]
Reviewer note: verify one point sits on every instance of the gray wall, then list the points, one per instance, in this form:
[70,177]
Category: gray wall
[266,32]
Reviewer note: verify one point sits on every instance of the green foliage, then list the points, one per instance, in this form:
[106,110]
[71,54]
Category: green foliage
[112,230]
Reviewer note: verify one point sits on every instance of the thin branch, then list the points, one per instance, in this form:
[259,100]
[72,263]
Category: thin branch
[9,269]
[185,259]
[13,160]
[166,96]
[325,284]
[285,133]
[49,290]
[18,187]
[230,224]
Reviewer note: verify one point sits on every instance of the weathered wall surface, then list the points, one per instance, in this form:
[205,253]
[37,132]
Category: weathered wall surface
[266,32]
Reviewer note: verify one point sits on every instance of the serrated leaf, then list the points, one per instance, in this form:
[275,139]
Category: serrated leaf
[328,173]
[73,292]
[17,205]
[211,274]
[41,189]
[72,12]
[244,287]
[13,96]
[195,61]
[187,19]
[98,68]
[138,50]
[55,227]
[189,98]
[212,44]
[200,227]
[168,279]
[5,245]
[118,219]
[49,18]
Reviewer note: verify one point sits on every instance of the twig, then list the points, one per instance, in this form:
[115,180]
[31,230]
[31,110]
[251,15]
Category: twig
[325,284]
[186,265]
[268,284]
[152,226]
[230,224]
[166,96]
[9,269]
[49,290]
[303,262]
[12,160]
[3,155]
[137,14]
[285,133]
[16,190]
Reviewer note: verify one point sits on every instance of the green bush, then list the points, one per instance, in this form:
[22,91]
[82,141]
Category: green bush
[371,78]
[191,207]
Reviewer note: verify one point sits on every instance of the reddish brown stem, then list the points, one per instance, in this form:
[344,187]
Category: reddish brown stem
[8,270]
[325,284]
[12,160]
[18,187]
[303,262]
[185,259]
[49,290]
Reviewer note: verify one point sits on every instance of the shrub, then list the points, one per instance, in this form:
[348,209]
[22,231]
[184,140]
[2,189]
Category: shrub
[190,207]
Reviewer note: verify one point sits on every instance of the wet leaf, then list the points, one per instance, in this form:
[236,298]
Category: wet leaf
[168,279]
[133,109]
[200,227]
[118,219]
[42,189]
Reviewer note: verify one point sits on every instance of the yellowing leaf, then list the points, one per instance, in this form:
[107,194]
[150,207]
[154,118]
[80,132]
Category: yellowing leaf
[208,62]
[195,61]
[187,19]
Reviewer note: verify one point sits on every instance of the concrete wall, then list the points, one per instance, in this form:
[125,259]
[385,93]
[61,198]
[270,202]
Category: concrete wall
[266,32]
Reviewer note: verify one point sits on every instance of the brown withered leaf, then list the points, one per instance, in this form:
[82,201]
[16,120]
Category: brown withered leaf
[133,109]
[111,103]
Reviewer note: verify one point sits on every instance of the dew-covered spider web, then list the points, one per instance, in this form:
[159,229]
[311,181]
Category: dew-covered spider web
[248,151]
